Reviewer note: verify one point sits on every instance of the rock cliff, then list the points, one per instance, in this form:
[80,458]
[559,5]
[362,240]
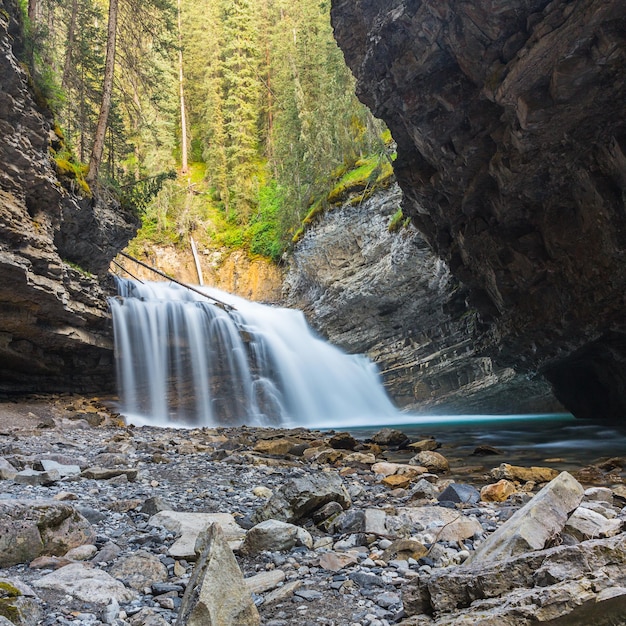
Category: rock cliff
[54,326]
[386,294]
[509,119]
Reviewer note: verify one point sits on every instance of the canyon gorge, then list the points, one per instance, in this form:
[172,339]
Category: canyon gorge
[510,130]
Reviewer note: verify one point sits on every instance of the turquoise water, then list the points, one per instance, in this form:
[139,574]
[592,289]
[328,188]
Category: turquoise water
[558,440]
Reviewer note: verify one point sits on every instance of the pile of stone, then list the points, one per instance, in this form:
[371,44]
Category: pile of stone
[103,524]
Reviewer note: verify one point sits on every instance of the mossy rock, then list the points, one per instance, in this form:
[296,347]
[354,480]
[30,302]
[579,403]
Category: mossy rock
[16,607]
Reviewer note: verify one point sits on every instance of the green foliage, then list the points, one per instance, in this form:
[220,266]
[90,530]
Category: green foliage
[264,230]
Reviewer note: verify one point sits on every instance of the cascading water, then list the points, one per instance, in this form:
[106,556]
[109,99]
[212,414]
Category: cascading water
[183,360]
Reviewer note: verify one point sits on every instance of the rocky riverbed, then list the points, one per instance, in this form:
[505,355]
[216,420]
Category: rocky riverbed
[101,523]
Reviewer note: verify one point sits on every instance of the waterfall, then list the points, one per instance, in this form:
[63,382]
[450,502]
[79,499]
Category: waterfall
[182,360]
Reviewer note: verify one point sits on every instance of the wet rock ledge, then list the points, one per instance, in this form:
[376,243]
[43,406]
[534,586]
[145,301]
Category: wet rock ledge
[106,524]
[511,136]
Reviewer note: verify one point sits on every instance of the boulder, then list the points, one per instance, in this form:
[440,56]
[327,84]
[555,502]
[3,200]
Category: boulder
[189,526]
[275,536]
[432,461]
[274,446]
[139,570]
[88,584]
[371,521]
[524,474]
[216,594]
[335,561]
[300,497]
[497,492]
[343,441]
[585,524]
[446,524]
[390,437]
[7,471]
[30,528]
[30,476]
[537,522]
[424,445]
[459,493]
[385,468]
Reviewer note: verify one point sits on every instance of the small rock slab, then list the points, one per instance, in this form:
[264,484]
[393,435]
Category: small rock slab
[106,473]
[524,474]
[260,583]
[585,524]
[190,525]
[535,523]
[275,536]
[217,594]
[335,561]
[88,584]
[446,524]
[139,570]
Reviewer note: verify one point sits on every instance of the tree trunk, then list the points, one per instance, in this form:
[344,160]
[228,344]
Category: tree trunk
[107,91]
[71,30]
[34,9]
[183,116]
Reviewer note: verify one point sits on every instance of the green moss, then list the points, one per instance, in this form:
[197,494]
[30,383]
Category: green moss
[396,221]
[7,589]
[8,595]
[78,268]
[71,173]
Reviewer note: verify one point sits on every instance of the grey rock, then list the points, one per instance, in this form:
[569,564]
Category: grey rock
[585,523]
[88,584]
[7,471]
[275,536]
[33,477]
[265,581]
[390,437]
[216,594]
[310,595]
[366,579]
[189,526]
[64,470]
[538,521]
[446,524]
[297,498]
[139,570]
[460,493]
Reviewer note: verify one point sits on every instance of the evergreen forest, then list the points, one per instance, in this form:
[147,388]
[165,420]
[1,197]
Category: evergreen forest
[233,121]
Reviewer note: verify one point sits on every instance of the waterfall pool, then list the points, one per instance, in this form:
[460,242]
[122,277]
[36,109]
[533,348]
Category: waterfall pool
[558,440]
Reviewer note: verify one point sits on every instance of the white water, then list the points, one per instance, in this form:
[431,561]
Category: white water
[182,361]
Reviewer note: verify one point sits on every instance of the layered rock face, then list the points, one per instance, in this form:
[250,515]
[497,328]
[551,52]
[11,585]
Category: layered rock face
[386,294]
[509,119]
[54,326]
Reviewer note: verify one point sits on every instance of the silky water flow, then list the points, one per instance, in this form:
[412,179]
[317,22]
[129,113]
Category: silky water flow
[185,360]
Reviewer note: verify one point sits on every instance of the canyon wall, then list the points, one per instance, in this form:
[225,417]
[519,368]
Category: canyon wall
[387,295]
[55,331]
[511,131]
